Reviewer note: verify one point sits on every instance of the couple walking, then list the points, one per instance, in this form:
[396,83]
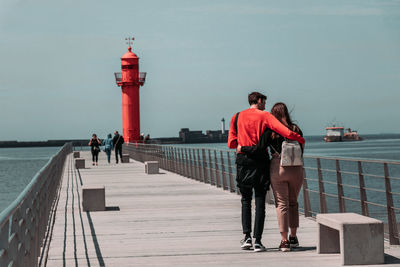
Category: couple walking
[251,132]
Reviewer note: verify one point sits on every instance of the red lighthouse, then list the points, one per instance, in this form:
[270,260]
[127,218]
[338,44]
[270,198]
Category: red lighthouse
[130,79]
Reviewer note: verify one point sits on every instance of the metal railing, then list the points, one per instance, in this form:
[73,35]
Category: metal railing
[23,225]
[367,187]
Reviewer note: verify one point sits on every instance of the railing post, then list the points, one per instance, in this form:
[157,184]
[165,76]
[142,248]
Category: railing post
[394,238]
[4,248]
[171,160]
[212,182]
[187,162]
[196,164]
[223,175]
[322,198]
[178,161]
[161,156]
[217,177]
[232,186]
[167,158]
[180,156]
[363,193]
[342,204]
[306,196]
[192,173]
[15,239]
[205,172]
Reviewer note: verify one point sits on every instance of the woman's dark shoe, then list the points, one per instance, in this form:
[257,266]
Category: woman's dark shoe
[284,246]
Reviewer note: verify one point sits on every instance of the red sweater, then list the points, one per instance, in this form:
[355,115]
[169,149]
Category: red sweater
[252,123]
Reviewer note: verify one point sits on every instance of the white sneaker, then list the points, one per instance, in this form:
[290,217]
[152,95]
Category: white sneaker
[246,243]
[258,247]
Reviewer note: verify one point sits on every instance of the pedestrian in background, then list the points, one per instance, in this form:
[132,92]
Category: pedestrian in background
[94,144]
[108,146]
[118,140]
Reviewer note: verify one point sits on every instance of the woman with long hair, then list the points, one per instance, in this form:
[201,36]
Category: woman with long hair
[94,144]
[286,181]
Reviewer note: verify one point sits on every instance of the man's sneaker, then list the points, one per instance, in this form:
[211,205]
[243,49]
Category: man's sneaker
[246,243]
[258,247]
[294,242]
[284,246]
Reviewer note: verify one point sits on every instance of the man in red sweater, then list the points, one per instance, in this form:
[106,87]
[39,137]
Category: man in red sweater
[246,129]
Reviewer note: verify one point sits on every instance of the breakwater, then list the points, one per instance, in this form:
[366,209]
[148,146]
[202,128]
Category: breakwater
[48,143]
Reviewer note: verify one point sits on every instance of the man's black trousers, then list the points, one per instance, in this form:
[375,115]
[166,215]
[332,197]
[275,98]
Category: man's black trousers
[118,150]
[252,177]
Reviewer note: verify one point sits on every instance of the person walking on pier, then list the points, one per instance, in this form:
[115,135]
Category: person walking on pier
[108,146]
[286,181]
[246,129]
[118,140]
[95,143]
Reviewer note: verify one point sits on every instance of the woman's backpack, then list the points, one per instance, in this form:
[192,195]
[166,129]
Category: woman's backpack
[291,153]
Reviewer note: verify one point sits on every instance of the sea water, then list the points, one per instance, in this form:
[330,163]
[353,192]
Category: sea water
[17,168]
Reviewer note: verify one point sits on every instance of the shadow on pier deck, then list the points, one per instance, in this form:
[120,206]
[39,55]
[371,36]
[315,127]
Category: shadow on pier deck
[166,220]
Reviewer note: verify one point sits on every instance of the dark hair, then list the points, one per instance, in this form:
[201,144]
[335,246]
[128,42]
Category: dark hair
[255,96]
[281,112]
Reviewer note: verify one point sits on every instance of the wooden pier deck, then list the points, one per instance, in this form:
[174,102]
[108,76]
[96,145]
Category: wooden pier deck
[166,220]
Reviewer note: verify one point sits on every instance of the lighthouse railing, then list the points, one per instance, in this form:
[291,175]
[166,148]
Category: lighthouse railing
[24,224]
[331,185]
[142,77]
[118,76]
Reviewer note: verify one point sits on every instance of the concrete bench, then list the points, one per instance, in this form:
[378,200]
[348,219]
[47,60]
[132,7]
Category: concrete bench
[359,239]
[80,163]
[125,158]
[93,198]
[151,167]
[76,154]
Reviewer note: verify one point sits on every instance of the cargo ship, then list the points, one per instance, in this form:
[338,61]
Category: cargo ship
[338,134]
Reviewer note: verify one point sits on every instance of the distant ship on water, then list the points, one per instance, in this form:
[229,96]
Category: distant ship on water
[338,134]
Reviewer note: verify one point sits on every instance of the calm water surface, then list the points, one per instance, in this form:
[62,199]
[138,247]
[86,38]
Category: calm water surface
[17,168]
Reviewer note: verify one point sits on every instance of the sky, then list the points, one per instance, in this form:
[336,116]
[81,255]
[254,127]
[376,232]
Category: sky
[329,61]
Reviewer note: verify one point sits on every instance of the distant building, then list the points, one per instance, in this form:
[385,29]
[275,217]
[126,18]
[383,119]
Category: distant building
[211,136]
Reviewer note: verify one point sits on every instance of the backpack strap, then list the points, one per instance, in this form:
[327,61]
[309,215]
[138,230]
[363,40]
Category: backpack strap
[236,119]
[271,146]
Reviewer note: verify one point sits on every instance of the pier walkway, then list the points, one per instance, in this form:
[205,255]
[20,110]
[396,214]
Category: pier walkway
[166,220]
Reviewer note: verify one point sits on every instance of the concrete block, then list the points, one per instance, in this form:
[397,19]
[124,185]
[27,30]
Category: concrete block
[80,163]
[93,198]
[125,158]
[328,240]
[151,167]
[358,238]
[76,154]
